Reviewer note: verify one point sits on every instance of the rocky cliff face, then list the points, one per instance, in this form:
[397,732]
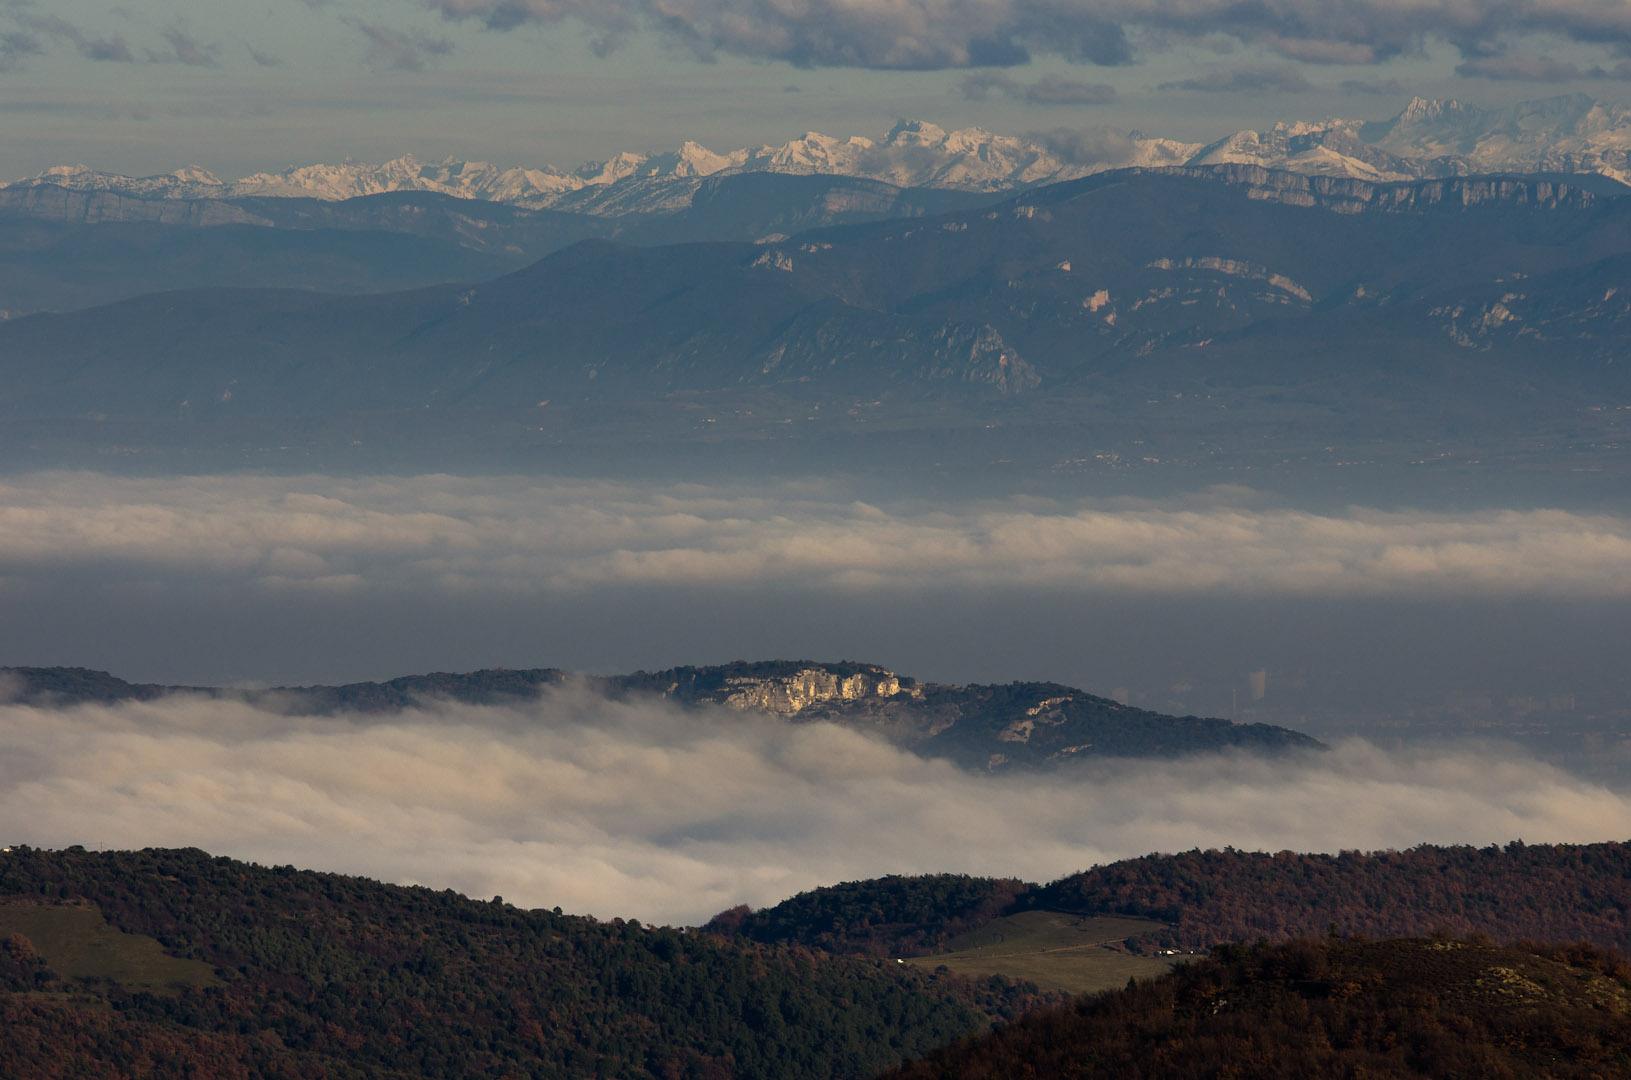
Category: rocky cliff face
[984,728]
[69,207]
[1350,196]
[789,695]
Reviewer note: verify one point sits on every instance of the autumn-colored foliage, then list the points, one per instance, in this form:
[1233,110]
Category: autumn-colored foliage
[1403,1008]
[1546,892]
[1543,892]
[329,976]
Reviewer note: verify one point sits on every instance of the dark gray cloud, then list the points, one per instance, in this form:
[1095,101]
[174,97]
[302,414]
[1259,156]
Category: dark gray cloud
[88,44]
[1526,67]
[403,50]
[1048,90]
[263,59]
[636,809]
[185,49]
[180,47]
[935,34]
[14,46]
[1281,80]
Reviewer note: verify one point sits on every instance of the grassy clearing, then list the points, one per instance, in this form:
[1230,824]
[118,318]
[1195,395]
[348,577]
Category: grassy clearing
[1053,950]
[78,943]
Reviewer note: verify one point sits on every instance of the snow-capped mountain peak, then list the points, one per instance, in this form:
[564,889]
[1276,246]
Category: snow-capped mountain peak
[192,174]
[1428,138]
[812,153]
[694,159]
[915,133]
[1426,110]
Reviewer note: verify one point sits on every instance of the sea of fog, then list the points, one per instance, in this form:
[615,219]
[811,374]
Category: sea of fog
[1465,663]
[640,809]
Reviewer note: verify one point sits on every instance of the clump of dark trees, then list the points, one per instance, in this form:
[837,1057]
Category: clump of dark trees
[332,976]
[1424,1007]
[890,916]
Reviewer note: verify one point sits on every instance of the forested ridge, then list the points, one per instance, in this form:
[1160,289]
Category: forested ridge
[324,975]
[898,915]
[1547,892]
[1434,1007]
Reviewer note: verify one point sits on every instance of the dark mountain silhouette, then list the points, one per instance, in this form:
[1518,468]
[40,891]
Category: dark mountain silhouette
[63,250]
[986,728]
[1489,289]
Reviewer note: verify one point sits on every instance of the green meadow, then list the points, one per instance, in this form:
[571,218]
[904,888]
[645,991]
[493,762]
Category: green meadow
[1053,950]
[77,943]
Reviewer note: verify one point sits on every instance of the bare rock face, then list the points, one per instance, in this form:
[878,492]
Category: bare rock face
[789,695]
[1005,728]
[1347,195]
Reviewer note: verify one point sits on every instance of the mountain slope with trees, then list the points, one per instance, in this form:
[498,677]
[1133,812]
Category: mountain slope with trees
[330,976]
[1548,892]
[1405,1008]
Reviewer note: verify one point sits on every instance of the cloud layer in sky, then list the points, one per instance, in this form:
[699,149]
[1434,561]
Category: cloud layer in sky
[517,535]
[641,810]
[906,35]
[932,34]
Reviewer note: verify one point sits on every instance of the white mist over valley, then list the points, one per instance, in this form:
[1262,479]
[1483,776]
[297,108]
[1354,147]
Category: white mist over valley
[638,809]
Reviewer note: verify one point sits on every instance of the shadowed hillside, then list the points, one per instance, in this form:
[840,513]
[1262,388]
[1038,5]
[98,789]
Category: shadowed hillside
[1574,892]
[319,975]
[1422,1007]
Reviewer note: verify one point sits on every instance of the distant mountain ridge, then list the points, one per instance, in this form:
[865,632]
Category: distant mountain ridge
[1427,139]
[1179,280]
[985,728]
[63,249]
[913,154]
[1436,139]
[72,237]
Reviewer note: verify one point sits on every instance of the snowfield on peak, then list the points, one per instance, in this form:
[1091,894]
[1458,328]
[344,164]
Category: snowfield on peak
[912,154]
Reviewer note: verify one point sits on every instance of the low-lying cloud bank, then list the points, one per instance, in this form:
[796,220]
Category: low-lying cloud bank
[638,809]
[517,535]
